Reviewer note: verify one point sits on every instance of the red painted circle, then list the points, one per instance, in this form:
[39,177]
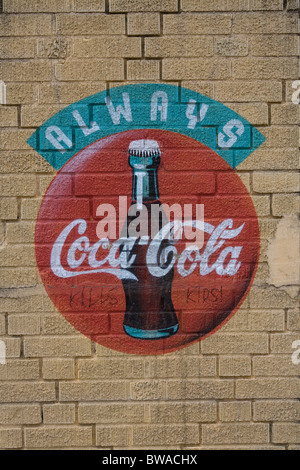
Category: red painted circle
[189,173]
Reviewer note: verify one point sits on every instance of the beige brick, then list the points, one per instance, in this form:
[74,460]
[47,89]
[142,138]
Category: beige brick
[231,343]
[286,433]
[203,87]
[34,116]
[67,92]
[282,343]
[256,320]
[30,208]
[249,90]
[16,304]
[17,48]
[232,5]
[189,69]
[17,256]
[260,23]
[243,447]
[18,277]
[285,204]
[293,319]
[110,46]
[169,367]
[115,84]
[110,413]
[2,231]
[43,6]
[11,438]
[27,162]
[89,5]
[59,346]
[235,411]
[267,388]
[143,69]
[200,389]
[23,324]
[106,368]
[262,205]
[21,93]
[17,185]
[59,414]
[55,48]
[30,71]
[191,350]
[271,159]
[101,69]
[232,47]
[214,5]
[24,392]
[20,231]
[12,346]
[292,4]
[8,208]
[291,91]
[276,366]
[179,46]
[273,45]
[2,325]
[25,300]
[235,366]
[267,227]
[58,369]
[266,4]
[20,414]
[58,436]
[240,433]
[142,5]
[193,23]
[142,24]
[276,182]
[148,390]
[56,325]
[107,436]
[177,434]
[8,115]
[14,139]
[265,68]
[20,370]
[279,410]
[89,24]
[25,25]
[256,113]
[284,114]
[92,391]
[195,412]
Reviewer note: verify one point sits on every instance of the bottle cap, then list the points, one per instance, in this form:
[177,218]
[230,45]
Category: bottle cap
[144,148]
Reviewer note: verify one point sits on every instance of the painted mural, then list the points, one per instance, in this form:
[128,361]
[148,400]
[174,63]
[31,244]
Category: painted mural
[147,240]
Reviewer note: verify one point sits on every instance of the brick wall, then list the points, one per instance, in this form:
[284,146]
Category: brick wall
[236,389]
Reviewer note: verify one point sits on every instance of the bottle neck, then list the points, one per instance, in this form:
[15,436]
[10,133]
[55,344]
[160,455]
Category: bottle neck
[144,186]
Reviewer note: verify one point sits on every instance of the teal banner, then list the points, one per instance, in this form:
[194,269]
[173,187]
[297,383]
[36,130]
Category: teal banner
[146,106]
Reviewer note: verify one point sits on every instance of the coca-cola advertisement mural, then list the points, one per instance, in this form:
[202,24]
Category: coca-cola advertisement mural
[147,240]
